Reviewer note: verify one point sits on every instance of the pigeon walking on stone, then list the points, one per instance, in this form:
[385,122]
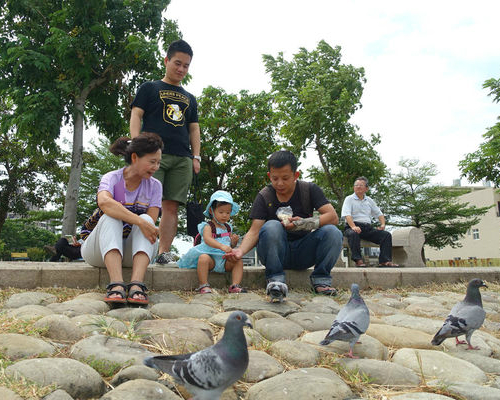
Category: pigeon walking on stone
[277,291]
[351,322]
[207,373]
[465,317]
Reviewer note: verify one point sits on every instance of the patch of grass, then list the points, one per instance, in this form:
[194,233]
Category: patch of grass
[105,327]
[358,381]
[24,387]
[106,368]
[14,325]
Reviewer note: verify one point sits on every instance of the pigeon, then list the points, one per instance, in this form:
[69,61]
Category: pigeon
[351,322]
[208,372]
[464,318]
[277,291]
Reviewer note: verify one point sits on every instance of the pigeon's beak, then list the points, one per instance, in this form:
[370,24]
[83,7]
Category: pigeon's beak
[484,284]
[248,323]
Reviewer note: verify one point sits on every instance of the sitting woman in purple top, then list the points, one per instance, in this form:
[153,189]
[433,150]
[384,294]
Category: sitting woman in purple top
[122,231]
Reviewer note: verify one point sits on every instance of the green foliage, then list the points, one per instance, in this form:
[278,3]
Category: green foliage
[19,235]
[4,251]
[238,136]
[36,253]
[66,61]
[96,162]
[316,96]
[105,367]
[485,162]
[414,201]
[28,174]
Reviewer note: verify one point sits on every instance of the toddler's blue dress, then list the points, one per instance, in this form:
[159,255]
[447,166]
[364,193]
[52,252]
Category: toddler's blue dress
[190,259]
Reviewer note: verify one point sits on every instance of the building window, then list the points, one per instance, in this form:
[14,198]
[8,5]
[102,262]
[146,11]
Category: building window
[475,234]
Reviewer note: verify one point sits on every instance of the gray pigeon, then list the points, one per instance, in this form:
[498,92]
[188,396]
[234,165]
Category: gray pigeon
[351,322]
[465,317]
[208,372]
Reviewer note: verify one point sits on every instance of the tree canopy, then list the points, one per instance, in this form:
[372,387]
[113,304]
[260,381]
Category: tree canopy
[414,201]
[484,163]
[316,96]
[67,60]
[29,175]
[238,135]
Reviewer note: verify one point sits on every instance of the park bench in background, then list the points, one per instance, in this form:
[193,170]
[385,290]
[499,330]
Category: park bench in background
[19,256]
[407,244]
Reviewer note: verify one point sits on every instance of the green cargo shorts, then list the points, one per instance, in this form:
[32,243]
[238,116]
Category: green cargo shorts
[175,174]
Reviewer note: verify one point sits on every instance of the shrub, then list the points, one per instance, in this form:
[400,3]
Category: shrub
[36,254]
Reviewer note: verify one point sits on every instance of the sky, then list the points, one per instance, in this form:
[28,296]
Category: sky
[425,63]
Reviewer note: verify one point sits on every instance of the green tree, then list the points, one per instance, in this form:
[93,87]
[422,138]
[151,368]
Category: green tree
[96,162]
[414,201]
[28,175]
[238,136]
[19,235]
[316,96]
[485,162]
[67,60]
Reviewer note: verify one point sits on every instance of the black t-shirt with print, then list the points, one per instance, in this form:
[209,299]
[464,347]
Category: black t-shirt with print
[263,211]
[168,111]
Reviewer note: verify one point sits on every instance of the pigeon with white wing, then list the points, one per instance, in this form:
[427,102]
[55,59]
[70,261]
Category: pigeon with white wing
[351,321]
[464,318]
[208,372]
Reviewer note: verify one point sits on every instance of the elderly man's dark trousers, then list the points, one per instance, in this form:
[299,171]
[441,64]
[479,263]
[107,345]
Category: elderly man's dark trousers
[368,232]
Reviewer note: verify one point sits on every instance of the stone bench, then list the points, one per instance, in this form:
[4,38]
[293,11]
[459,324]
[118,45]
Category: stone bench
[407,244]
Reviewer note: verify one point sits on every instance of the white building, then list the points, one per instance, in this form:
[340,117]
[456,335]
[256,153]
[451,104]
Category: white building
[483,239]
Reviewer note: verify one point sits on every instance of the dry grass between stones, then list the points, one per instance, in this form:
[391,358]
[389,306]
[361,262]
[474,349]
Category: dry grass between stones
[358,382]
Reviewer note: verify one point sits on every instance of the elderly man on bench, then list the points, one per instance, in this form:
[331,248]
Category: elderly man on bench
[358,210]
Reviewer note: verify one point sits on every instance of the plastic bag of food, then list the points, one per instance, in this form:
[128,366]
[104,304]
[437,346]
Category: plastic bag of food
[284,214]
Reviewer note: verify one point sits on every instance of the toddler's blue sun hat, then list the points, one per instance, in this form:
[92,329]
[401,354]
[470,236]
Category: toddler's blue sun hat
[222,195]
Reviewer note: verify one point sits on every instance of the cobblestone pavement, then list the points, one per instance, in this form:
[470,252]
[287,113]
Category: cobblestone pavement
[64,344]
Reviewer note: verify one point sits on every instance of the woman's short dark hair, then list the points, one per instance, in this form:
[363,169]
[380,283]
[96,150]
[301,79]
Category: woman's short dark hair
[145,143]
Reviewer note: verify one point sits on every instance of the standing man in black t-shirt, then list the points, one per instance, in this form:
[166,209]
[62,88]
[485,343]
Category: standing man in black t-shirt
[298,242]
[165,108]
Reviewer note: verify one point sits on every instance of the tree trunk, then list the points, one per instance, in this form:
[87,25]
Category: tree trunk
[71,201]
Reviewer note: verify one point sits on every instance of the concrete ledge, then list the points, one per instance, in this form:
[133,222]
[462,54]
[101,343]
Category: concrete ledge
[30,275]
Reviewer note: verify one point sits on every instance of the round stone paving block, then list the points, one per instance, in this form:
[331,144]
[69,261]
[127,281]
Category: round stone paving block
[7,394]
[181,335]
[304,383]
[29,312]
[60,327]
[141,389]
[261,366]
[29,298]
[278,328]
[109,349]
[77,379]
[295,353]
[312,321]
[436,364]
[16,346]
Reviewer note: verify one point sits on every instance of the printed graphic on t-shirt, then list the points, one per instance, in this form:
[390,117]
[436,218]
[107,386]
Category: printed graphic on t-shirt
[175,105]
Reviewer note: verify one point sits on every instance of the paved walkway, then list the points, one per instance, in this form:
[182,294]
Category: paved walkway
[88,351]
[29,275]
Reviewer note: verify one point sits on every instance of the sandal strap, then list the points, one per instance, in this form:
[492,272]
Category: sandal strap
[113,284]
[137,283]
[205,285]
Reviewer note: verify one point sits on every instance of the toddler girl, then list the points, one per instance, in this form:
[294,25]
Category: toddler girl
[209,254]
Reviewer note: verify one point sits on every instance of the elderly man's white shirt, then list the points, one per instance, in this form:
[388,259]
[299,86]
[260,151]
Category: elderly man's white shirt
[361,210]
